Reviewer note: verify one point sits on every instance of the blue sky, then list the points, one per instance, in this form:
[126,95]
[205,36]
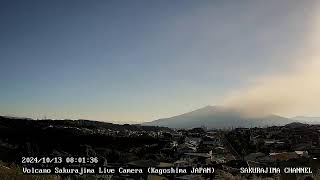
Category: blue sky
[135,61]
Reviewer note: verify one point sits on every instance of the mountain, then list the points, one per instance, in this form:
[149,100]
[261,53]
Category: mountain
[218,117]
[307,119]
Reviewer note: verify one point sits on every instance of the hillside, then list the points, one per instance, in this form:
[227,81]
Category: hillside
[307,119]
[26,137]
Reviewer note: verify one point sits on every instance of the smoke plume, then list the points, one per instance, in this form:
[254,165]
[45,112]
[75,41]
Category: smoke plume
[292,93]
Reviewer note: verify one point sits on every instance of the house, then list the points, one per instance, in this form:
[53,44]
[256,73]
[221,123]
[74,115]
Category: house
[302,153]
[195,141]
[185,148]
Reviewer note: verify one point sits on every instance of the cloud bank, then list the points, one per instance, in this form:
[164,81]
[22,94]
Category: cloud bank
[287,94]
[291,93]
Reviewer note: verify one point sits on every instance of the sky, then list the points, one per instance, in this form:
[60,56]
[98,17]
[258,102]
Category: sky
[135,61]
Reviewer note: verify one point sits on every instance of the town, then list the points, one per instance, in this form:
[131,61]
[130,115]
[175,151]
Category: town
[290,151]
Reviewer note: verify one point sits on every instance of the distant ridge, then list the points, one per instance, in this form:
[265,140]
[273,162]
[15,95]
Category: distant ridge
[20,123]
[307,119]
[218,117]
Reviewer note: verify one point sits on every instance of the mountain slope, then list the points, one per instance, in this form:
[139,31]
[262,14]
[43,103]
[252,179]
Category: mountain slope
[218,117]
[307,119]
